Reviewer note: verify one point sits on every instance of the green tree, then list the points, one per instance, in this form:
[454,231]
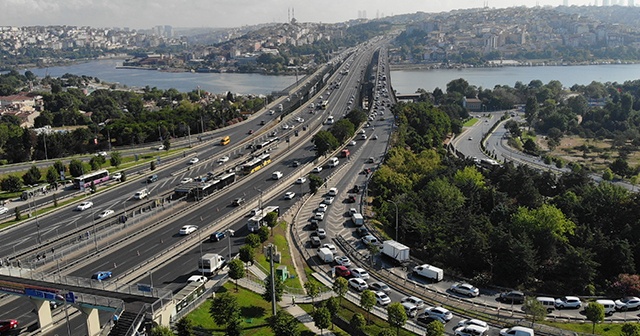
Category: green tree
[16,211]
[342,130]
[59,166]
[271,219]
[252,240]
[124,176]
[435,328]
[247,254]
[357,117]
[630,329]
[233,328]
[367,301]
[283,323]
[279,287]
[325,142]
[333,305]
[224,309]
[160,330]
[75,168]
[341,287]
[534,309]
[386,332]
[620,166]
[167,144]
[184,327]
[357,322]
[607,175]
[52,175]
[152,165]
[11,183]
[313,290]
[396,316]
[32,176]
[116,159]
[236,270]
[263,233]
[594,313]
[315,182]
[322,319]
[96,162]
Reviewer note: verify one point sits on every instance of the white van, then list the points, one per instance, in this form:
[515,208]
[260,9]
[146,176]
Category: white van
[141,194]
[548,302]
[333,162]
[609,306]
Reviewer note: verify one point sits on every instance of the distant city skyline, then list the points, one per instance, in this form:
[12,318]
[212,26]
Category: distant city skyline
[146,14]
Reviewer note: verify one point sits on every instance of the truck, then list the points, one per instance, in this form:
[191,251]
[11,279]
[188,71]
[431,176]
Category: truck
[358,219]
[395,250]
[325,255]
[210,263]
[428,271]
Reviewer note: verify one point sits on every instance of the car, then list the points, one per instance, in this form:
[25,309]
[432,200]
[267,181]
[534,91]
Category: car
[102,275]
[285,127]
[627,303]
[300,120]
[352,143]
[3,210]
[333,192]
[321,233]
[223,159]
[362,231]
[161,147]
[262,122]
[272,112]
[355,189]
[512,297]
[331,247]
[217,236]
[360,273]
[116,176]
[187,229]
[315,241]
[313,224]
[477,322]
[295,164]
[101,154]
[250,131]
[342,271]
[358,284]
[186,180]
[374,137]
[363,137]
[465,289]
[379,286]
[382,298]
[238,201]
[369,239]
[471,330]
[273,134]
[194,160]
[301,180]
[353,211]
[371,160]
[316,169]
[410,309]
[105,213]
[8,325]
[568,302]
[289,195]
[197,278]
[322,208]
[342,261]
[152,178]
[328,200]
[470,138]
[351,199]
[439,312]
[414,301]
[84,206]
[425,319]
[361,131]
[517,331]
[319,216]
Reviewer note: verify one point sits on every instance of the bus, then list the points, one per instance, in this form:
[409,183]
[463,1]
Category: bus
[487,163]
[225,141]
[97,177]
[35,191]
[268,143]
[323,106]
[255,222]
[256,164]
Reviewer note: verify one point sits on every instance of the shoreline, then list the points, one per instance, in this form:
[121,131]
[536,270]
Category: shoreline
[440,66]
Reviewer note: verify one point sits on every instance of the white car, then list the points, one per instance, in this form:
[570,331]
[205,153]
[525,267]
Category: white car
[285,127]
[105,213]
[342,260]
[289,195]
[301,180]
[568,302]
[353,211]
[188,229]
[3,210]
[333,192]
[352,143]
[477,322]
[439,312]
[322,208]
[223,159]
[379,287]
[84,206]
[319,216]
[321,233]
[300,120]
[161,147]
[628,303]
[197,278]
[331,247]
[186,180]
[101,154]
[471,330]
[360,273]
[414,301]
[517,330]
[194,160]
[382,298]
[369,239]
[358,284]
[116,176]
[465,289]
[317,169]
[328,200]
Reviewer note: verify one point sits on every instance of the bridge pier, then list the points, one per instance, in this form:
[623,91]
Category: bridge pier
[93,320]
[45,320]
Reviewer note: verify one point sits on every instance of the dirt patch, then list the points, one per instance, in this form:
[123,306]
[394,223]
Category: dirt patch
[596,154]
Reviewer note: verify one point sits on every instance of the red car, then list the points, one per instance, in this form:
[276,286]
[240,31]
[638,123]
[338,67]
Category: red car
[342,271]
[8,325]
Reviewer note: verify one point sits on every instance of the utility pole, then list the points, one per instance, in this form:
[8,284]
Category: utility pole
[273,281]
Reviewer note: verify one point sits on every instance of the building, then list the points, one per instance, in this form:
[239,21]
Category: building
[472,104]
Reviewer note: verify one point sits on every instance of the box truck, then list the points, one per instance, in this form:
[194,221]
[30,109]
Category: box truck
[325,255]
[357,219]
[428,271]
[395,250]
[210,263]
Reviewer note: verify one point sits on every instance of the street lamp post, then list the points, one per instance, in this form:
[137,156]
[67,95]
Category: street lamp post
[93,223]
[229,233]
[260,199]
[396,204]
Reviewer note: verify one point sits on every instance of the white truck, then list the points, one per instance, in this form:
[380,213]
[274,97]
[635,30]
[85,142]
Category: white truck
[357,219]
[210,263]
[396,250]
[430,272]
[325,255]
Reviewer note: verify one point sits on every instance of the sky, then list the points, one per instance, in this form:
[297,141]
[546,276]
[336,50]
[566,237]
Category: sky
[144,14]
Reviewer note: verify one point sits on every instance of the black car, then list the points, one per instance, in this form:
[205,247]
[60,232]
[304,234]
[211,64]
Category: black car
[512,297]
[356,189]
[238,201]
[314,224]
[362,231]
[424,320]
[217,236]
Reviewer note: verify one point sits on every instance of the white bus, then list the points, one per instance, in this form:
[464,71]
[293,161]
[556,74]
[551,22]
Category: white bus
[255,222]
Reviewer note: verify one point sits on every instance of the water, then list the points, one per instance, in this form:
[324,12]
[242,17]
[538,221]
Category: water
[408,81]
[105,70]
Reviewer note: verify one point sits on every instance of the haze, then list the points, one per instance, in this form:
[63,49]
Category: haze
[224,13]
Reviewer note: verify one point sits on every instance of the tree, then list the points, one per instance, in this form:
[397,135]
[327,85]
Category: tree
[607,175]
[32,176]
[52,175]
[435,328]
[124,176]
[367,301]
[315,182]
[247,254]
[325,142]
[263,233]
[116,159]
[167,144]
[224,309]
[16,211]
[283,323]
[75,168]
[233,328]
[313,290]
[271,219]
[627,285]
[152,165]
[396,316]
[322,319]
[252,240]
[630,329]
[184,327]
[342,130]
[11,183]
[60,167]
[96,162]
[534,308]
[341,287]
[594,313]
[386,332]
[236,270]
[620,166]
[357,322]
[279,287]
[160,330]
[333,305]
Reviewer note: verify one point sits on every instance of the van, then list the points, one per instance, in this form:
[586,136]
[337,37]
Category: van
[547,302]
[609,306]
[410,309]
[333,162]
[517,331]
[141,194]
